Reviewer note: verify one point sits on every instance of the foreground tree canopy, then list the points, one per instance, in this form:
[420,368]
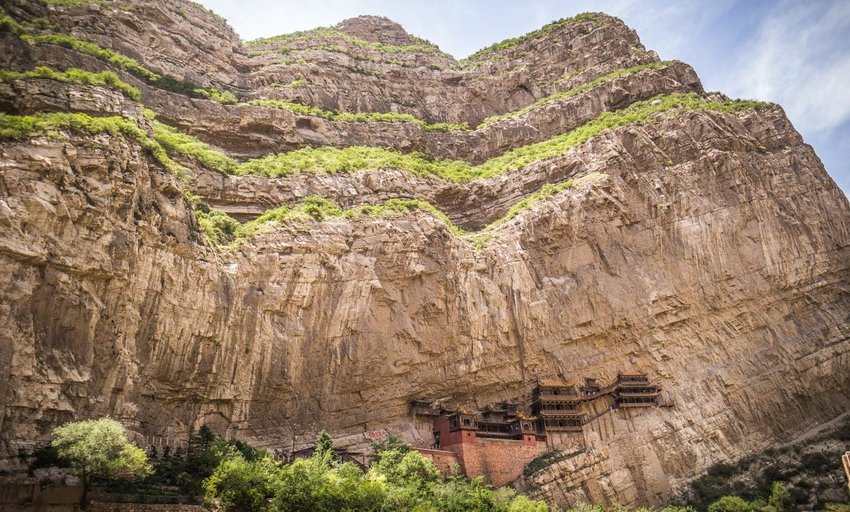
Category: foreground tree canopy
[234,476]
[99,449]
[399,479]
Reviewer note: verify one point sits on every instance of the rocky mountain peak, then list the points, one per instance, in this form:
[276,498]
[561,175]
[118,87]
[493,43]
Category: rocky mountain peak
[376,29]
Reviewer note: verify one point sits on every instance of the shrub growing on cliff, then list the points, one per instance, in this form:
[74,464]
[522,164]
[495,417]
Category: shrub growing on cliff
[99,449]
[224,97]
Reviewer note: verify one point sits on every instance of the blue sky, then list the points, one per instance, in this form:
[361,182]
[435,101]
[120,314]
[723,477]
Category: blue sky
[796,53]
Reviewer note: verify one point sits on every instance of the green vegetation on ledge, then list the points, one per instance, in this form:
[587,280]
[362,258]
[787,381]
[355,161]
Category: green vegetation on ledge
[300,109]
[74,3]
[76,76]
[26,33]
[12,127]
[355,158]
[224,97]
[545,29]
[542,102]
[324,33]
[223,231]
[184,144]
[7,24]
[387,117]
[122,61]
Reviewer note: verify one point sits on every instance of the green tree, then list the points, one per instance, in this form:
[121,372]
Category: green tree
[778,497]
[325,448]
[310,484]
[201,440]
[775,503]
[99,449]
[410,470]
[731,504]
[241,485]
[393,446]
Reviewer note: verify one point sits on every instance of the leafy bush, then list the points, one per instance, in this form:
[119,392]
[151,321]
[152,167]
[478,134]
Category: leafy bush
[776,502]
[218,227]
[400,479]
[238,484]
[731,504]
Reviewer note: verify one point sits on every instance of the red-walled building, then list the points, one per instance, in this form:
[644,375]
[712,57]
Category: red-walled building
[498,442]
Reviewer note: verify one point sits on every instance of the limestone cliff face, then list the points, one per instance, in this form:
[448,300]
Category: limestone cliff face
[708,248]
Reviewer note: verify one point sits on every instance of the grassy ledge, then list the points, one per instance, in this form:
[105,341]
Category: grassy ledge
[224,97]
[74,3]
[51,125]
[486,52]
[122,61]
[175,141]
[75,76]
[27,34]
[226,233]
[390,117]
[356,158]
[385,117]
[325,33]
[575,91]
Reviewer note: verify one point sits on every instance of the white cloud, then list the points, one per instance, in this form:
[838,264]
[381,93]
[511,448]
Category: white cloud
[799,59]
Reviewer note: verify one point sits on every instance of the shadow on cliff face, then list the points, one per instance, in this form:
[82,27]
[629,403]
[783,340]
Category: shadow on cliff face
[810,468]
